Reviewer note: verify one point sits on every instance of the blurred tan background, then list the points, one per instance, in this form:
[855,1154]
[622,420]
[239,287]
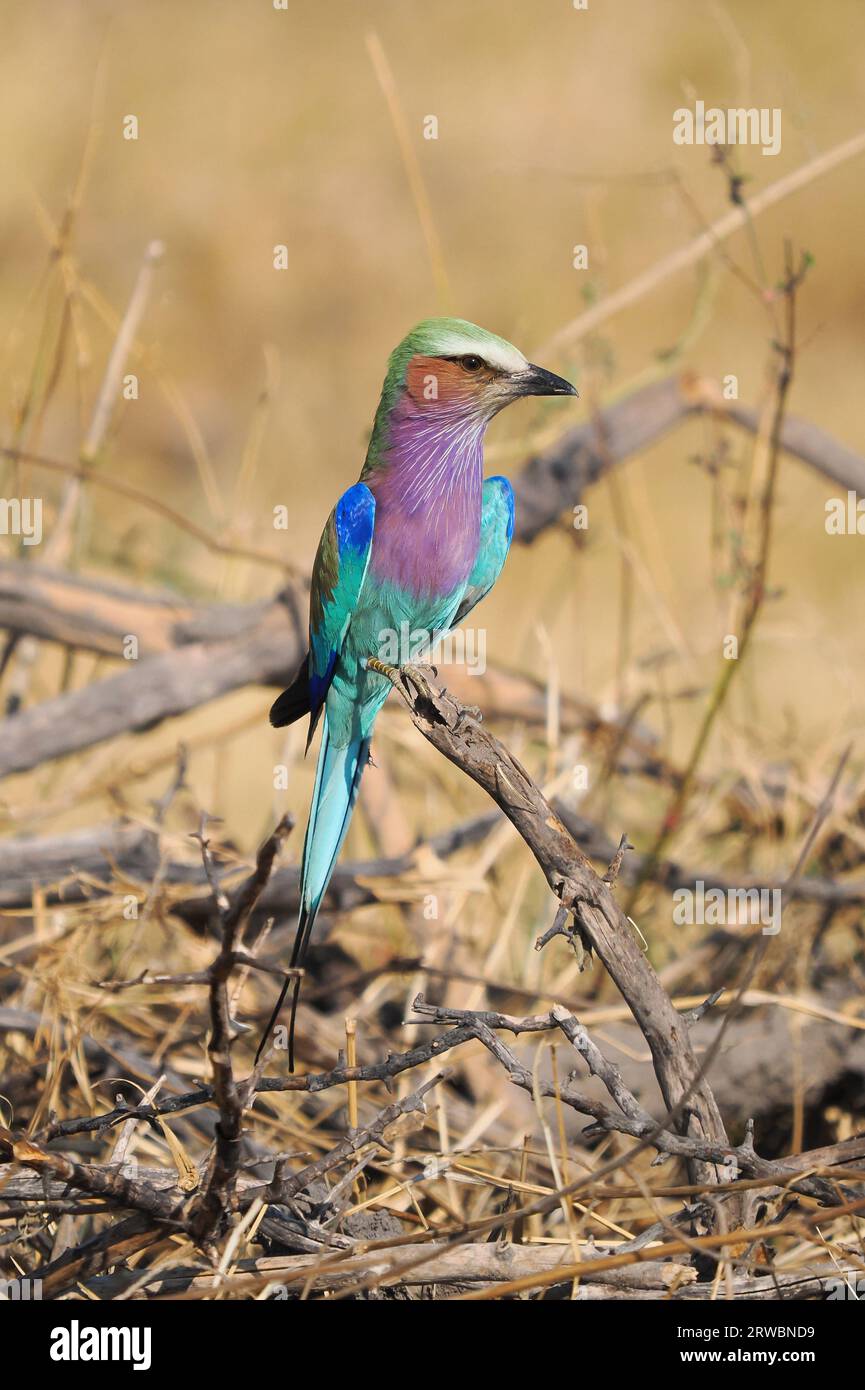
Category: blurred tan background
[259,127]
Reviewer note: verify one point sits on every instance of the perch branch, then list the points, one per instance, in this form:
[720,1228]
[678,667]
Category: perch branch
[470,746]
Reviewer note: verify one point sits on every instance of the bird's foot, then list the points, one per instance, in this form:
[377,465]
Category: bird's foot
[390,673]
[416,675]
[407,674]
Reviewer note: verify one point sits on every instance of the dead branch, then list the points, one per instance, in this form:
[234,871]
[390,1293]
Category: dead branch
[210,1211]
[469,745]
[283,1189]
[99,615]
[130,1192]
[472,1264]
[154,689]
[632,1118]
[555,480]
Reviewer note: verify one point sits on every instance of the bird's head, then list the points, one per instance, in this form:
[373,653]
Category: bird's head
[450,366]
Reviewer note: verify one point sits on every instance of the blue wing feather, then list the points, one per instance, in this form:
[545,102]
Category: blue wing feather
[338,574]
[497,529]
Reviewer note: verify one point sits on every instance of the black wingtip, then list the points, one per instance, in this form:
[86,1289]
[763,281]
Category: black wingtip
[294,1000]
[305,924]
[271,1022]
[294,702]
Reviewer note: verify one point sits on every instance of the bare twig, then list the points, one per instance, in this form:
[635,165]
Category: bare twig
[211,1209]
[703,244]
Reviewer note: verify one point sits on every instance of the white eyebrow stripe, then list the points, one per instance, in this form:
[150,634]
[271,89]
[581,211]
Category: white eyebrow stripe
[496,354]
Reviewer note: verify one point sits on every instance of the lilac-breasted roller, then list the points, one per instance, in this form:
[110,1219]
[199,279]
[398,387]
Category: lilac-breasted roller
[412,546]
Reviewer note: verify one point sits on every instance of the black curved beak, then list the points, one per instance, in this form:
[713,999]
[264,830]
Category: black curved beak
[537,381]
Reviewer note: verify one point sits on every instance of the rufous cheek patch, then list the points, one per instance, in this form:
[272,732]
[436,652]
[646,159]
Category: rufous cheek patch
[431,379]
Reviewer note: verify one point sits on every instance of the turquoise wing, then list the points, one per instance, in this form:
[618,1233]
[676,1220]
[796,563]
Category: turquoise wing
[339,570]
[497,528]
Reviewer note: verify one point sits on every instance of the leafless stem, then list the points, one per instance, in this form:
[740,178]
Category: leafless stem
[212,1207]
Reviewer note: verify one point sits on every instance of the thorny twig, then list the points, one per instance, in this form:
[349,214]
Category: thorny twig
[210,1210]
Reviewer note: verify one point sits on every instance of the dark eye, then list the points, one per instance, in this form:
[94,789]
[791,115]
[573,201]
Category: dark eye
[471,363]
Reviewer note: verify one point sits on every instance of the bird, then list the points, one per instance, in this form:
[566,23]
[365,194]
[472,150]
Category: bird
[411,547]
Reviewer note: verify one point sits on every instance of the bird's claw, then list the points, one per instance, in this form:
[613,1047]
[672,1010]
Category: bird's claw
[415,675]
[407,674]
